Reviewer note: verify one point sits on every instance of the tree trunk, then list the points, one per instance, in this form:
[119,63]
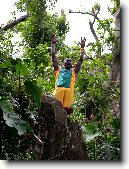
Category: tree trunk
[114,75]
[115,67]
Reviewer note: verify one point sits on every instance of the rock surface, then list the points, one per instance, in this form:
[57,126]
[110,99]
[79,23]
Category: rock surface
[56,140]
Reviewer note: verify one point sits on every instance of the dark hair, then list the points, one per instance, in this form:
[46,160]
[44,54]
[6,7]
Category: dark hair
[67,59]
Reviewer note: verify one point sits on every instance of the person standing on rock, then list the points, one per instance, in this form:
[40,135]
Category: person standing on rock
[65,76]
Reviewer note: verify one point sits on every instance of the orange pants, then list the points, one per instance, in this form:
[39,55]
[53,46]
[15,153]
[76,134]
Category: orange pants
[65,95]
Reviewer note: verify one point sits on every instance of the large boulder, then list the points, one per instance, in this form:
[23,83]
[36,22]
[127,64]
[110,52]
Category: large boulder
[55,137]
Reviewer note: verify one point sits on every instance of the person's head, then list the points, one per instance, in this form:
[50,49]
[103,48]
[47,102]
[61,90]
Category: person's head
[68,63]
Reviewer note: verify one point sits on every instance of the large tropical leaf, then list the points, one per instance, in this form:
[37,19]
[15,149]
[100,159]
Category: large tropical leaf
[90,131]
[33,90]
[11,118]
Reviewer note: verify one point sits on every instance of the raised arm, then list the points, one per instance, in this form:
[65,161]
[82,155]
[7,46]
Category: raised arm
[79,63]
[54,39]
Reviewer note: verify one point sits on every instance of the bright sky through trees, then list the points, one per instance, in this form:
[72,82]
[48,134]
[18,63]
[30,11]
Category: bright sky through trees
[79,25]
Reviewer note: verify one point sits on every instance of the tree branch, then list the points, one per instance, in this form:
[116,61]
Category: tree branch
[92,14]
[90,23]
[93,31]
[15,22]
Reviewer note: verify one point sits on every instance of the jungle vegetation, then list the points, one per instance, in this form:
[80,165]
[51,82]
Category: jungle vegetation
[26,72]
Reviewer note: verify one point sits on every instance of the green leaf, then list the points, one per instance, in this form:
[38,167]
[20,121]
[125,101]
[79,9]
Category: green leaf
[33,90]
[22,68]
[90,137]
[90,131]
[6,64]
[12,119]
[115,122]
[5,105]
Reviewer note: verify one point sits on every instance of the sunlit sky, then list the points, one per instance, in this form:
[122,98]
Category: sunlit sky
[79,23]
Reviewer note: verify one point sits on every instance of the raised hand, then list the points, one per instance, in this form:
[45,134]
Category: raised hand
[54,39]
[82,43]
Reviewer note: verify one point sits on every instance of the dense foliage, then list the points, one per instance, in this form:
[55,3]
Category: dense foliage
[26,75]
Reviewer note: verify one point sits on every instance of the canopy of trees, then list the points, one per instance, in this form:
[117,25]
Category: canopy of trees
[26,73]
